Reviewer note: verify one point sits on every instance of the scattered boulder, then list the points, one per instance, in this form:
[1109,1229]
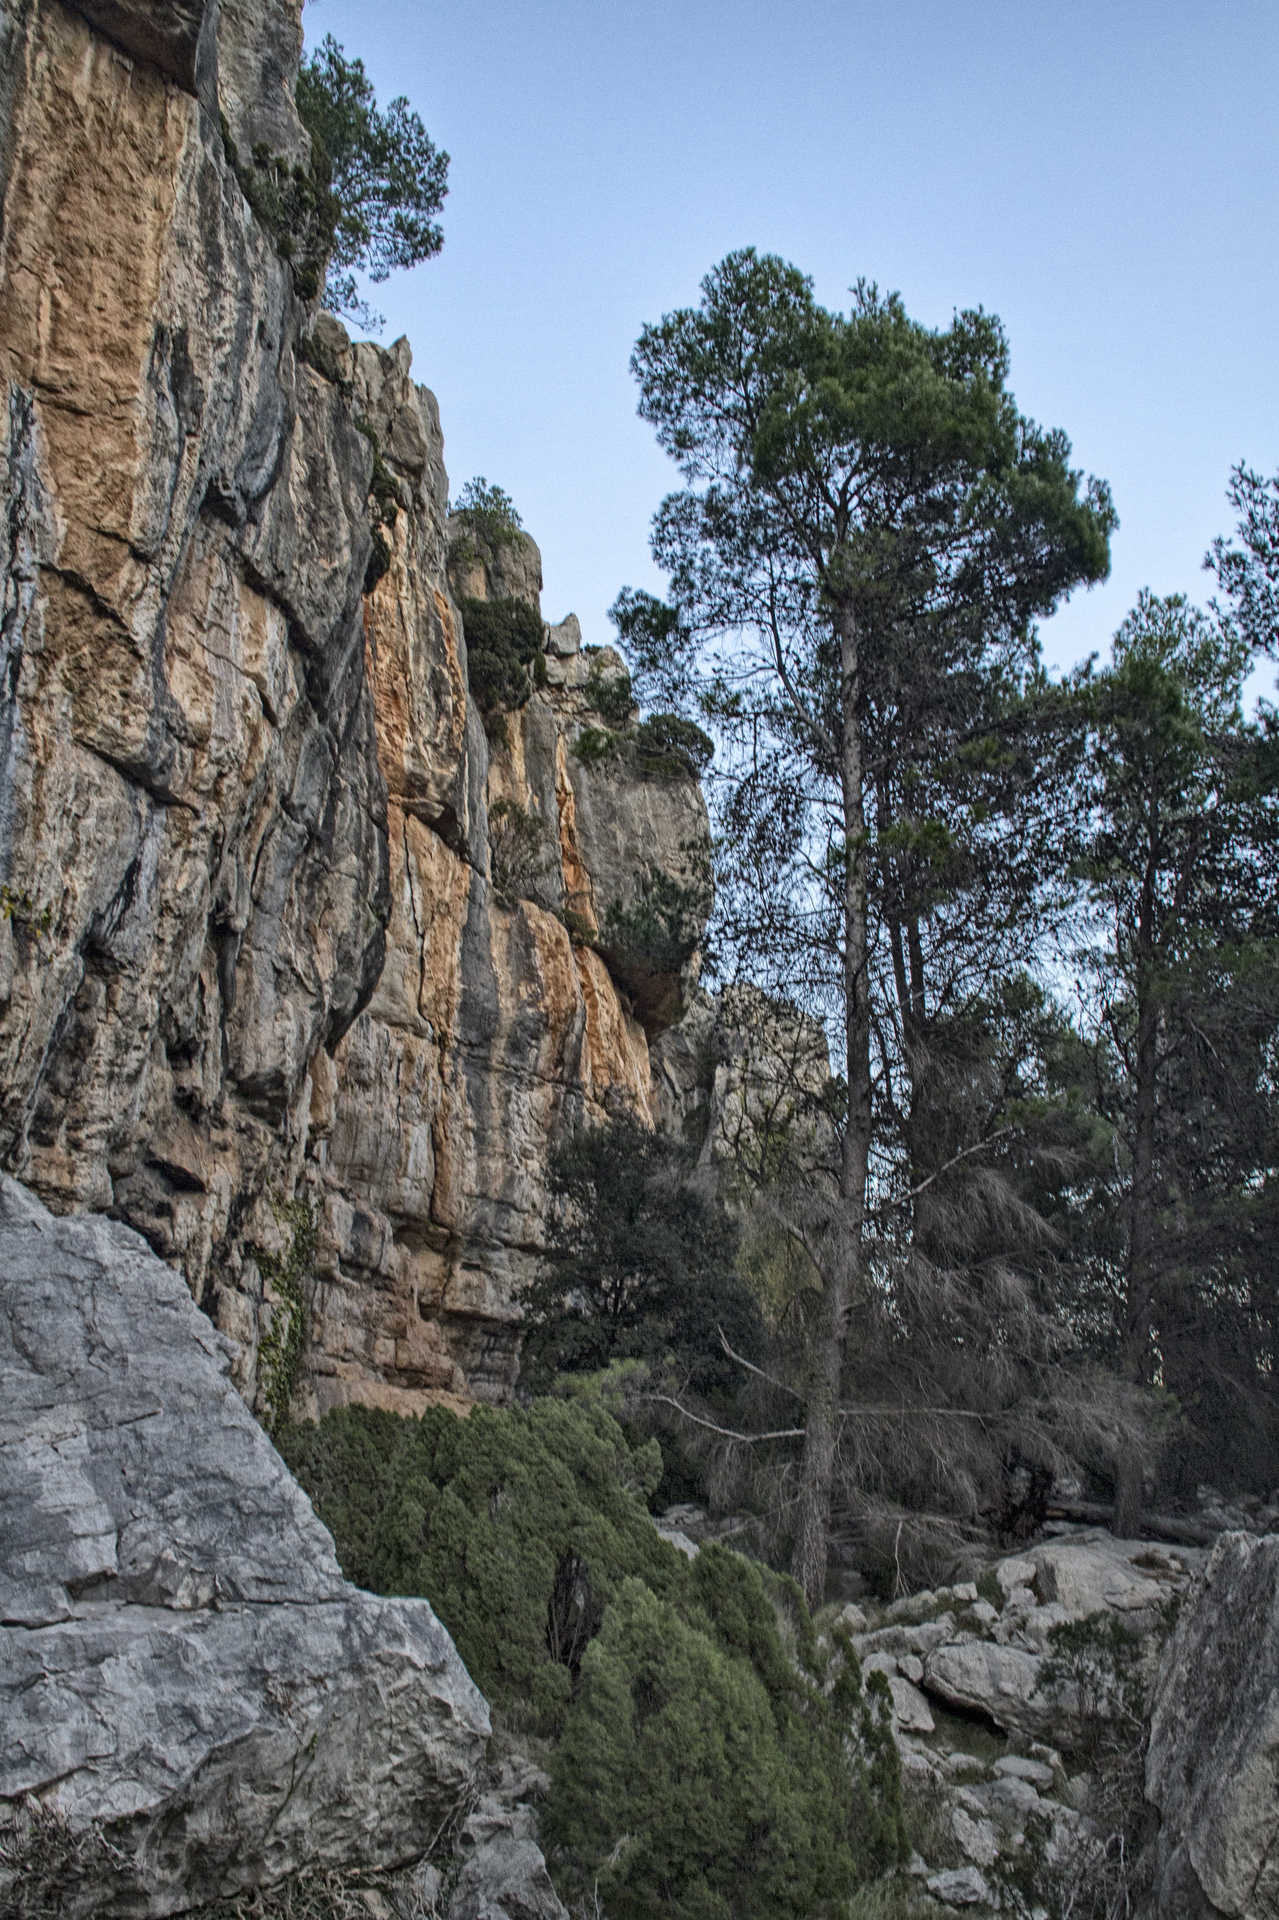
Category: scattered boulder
[1015,1766]
[977,1838]
[959,1887]
[1000,1682]
[503,1875]
[1094,1573]
[1004,1811]
[911,1713]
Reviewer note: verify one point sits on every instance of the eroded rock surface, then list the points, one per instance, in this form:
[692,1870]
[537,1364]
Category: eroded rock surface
[181,1662]
[1212,1768]
[270,974]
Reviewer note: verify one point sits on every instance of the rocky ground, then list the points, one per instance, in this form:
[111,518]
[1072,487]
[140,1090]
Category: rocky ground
[1011,1695]
[1089,1721]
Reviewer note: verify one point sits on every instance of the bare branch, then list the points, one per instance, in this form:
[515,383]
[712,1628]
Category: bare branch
[759,1373]
[964,1153]
[746,1439]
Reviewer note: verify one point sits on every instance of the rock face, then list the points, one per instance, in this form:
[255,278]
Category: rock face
[1212,1766]
[181,1662]
[270,976]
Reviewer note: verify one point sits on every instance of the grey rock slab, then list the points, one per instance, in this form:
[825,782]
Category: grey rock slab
[680,1541]
[1001,1682]
[908,1642]
[910,1709]
[1034,1772]
[1094,1573]
[191,1671]
[977,1838]
[1008,1801]
[959,1887]
[565,639]
[1014,1572]
[504,1875]
[1212,1765]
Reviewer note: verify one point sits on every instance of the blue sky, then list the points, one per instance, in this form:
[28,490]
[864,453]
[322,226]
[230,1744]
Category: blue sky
[1104,177]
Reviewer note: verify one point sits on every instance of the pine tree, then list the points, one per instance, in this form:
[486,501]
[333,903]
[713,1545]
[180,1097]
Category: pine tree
[868,531]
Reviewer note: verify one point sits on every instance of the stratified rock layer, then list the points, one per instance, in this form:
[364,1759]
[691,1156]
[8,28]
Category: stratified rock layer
[181,1662]
[1212,1767]
[262,965]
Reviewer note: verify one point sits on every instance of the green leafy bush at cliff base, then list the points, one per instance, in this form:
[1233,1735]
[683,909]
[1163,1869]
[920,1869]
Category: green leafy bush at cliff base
[485,1517]
[701,1772]
[640,1265]
[709,1762]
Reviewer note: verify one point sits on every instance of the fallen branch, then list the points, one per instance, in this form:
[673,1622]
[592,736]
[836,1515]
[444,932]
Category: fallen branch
[1154,1526]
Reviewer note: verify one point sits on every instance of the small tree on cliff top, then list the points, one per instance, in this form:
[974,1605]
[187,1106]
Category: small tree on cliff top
[868,532]
[387,177]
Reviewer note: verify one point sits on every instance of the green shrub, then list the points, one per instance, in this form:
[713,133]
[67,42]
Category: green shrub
[671,748]
[513,1523]
[377,179]
[289,1274]
[610,695]
[700,1773]
[487,511]
[663,747]
[294,203]
[703,1766]
[503,639]
[594,745]
[641,1264]
[1100,1671]
[658,929]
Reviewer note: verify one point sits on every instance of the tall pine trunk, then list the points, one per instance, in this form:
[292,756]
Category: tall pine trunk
[844,1265]
[1139,1289]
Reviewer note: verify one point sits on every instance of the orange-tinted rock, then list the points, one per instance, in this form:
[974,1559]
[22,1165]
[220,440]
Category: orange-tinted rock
[265,956]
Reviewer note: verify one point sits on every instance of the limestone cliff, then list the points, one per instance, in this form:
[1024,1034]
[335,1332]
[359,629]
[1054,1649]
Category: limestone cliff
[267,961]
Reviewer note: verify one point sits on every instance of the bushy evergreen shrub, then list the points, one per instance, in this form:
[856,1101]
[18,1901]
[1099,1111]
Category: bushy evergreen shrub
[709,1762]
[610,695]
[488,511]
[503,639]
[657,931]
[701,1773]
[670,747]
[498,1519]
[641,1264]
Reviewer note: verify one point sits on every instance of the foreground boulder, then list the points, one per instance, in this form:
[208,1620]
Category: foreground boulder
[183,1669]
[1212,1766]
